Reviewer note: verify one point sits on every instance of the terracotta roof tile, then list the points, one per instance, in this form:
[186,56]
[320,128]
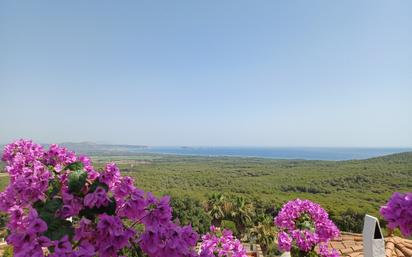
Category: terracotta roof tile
[398,253]
[357,248]
[351,245]
[346,250]
[390,246]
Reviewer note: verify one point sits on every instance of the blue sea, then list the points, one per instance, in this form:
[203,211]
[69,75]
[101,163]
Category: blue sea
[307,153]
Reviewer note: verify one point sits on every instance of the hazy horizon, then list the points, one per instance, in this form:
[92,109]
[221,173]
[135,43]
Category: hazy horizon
[233,73]
[408,148]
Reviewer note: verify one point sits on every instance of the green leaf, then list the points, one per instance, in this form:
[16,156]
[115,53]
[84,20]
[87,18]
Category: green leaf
[58,228]
[38,205]
[111,208]
[47,210]
[48,207]
[77,180]
[91,213]
[53,205]
[74,166]
[48,217]
[97,184]
[54,188]
[87,213]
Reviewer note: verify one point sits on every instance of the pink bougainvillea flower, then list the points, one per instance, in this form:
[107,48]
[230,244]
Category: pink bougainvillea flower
[398,212]
[304,225]
[40,179]
[222,245]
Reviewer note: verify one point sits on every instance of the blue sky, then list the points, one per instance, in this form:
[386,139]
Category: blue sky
[231,73]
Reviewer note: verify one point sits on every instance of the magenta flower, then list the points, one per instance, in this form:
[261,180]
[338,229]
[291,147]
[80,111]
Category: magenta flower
[92,174]
[168,240]
[111,235]
[63,246]
[43,181]
[398,212]
[111,175]
[159,211]
[72,204]
[85,230]
[325,252]
[133,206]
[124,188]
[284,241]
[59,156]
[221,243]
[304,225]
[85,249]
[26,237]
[22,151]
[37,226]
[98,198]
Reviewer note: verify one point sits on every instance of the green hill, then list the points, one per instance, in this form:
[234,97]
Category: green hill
[342,187]
[362,185]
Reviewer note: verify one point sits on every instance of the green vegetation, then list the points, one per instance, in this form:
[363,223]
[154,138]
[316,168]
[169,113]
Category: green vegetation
[8,251]
[246,193]
[187,210]
[362,186]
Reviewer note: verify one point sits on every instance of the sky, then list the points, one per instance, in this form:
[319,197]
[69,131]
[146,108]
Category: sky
[207,73]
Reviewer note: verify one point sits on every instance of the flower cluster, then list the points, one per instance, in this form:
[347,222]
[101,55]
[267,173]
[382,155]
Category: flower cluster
[398,212]
[169,240]
[26,232]
[304,225]
[221,244]
[29,177]
[57,200]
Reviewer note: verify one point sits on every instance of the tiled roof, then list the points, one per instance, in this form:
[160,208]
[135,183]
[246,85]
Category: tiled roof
[351,245]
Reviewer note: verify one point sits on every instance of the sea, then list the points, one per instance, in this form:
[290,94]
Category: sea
[304,153]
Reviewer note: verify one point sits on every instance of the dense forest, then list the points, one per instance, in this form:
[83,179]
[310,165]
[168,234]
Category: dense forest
[244,194]
[361,185]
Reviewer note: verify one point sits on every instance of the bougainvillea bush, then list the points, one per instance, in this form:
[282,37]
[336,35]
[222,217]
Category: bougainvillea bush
[219,243]
[303,226]
[398,212]
[57,201]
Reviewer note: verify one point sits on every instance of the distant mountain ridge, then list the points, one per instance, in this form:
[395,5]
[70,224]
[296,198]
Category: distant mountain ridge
[105,149]
[97,145]
[91,148]
[396,157]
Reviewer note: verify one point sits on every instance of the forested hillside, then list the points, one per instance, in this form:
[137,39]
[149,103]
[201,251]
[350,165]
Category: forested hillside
[244,194]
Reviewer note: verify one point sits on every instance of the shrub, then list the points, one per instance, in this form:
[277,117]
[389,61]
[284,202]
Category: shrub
[190,211]
[8,251]
[57,200]
[349,220]
[230,225]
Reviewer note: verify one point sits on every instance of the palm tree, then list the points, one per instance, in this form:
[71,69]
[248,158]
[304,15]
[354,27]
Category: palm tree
[264,234]
[215,208]
[242,213]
